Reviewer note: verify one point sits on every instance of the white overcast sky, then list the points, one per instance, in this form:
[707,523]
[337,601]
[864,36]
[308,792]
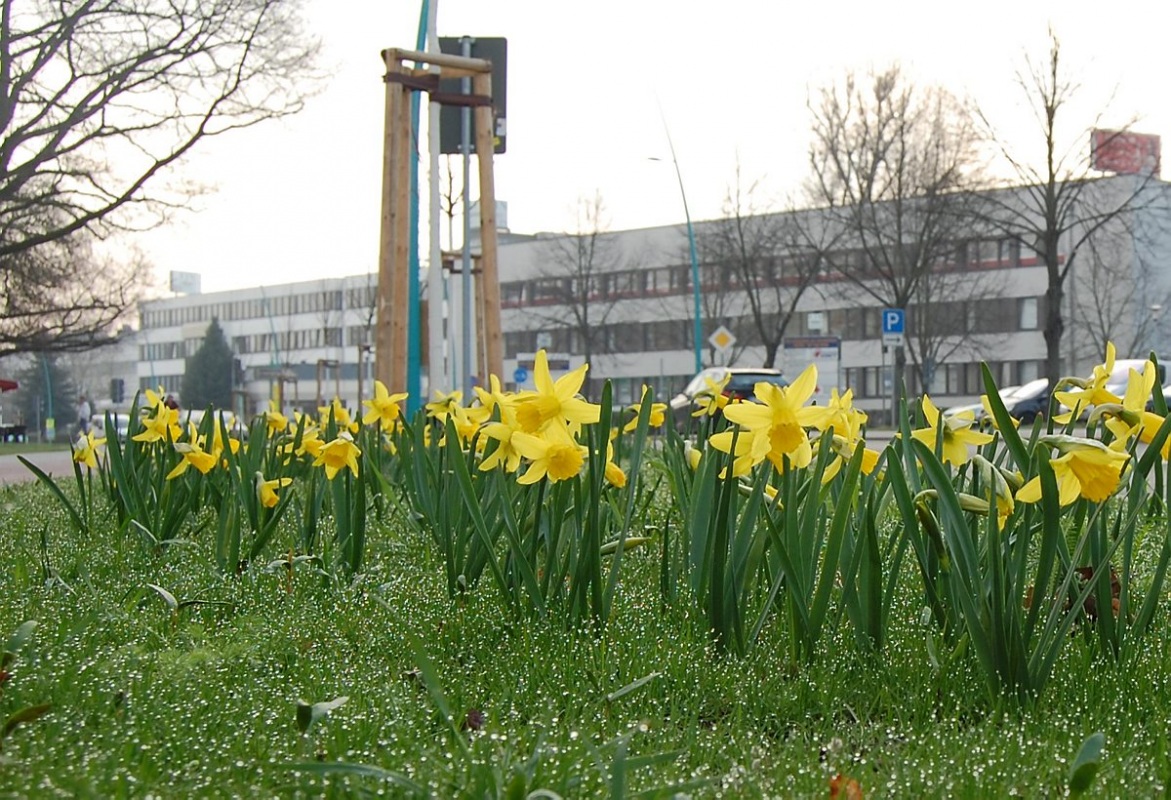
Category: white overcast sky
[298,199]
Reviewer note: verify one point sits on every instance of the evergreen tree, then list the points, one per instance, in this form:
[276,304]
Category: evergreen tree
[207,379]
[47,389]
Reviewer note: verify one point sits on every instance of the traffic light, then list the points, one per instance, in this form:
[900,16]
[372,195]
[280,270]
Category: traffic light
[117,390]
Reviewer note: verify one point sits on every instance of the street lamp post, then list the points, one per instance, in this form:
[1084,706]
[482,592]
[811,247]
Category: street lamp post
[698,327]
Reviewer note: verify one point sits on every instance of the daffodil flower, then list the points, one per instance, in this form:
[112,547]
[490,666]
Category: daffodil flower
[441,406]
[955,431]
[340,414]
[658,414]
[998,488]
[193,456]
[337,455]
[266,491]
[710,400]
[505,453]
[1130,418]
[554,454]
[614,474]
[774,428]
[274,420]
[845,449]
[988,415]
[158,423]
[85,450]
[1085,468]
[554,400]
[384,408]
[1088,393]
[491,399]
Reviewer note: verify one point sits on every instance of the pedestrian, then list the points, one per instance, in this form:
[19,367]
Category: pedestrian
[84,412]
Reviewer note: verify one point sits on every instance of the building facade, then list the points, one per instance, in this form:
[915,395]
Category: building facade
[623,300]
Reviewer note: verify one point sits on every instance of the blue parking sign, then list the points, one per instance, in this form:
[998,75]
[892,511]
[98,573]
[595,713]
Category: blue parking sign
[894,324]
[894,320]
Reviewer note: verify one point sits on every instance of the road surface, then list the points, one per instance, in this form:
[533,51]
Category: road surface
[57,463]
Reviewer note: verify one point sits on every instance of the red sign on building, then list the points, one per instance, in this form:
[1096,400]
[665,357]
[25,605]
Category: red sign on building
[1124,152]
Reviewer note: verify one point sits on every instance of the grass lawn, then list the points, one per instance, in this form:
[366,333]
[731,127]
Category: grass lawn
[202,700]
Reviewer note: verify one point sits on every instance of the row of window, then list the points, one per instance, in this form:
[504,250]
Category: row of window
[958,318]
[657,281]
[282,342]
[949,379]
[276,306]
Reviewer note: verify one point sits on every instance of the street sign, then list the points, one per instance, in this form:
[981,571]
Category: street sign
[894,325]
[798,352]
[490,48]
[722,339]
[520,375]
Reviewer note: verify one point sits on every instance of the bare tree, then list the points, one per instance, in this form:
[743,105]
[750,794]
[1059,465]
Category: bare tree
[99,101]
[1059,208]
[579,281]
[759,264]
[890,163]
[65,295]
[1118,297]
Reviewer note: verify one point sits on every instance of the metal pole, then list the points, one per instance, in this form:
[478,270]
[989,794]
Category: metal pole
[437,372]
[414,306]
[698,326]
[465,380]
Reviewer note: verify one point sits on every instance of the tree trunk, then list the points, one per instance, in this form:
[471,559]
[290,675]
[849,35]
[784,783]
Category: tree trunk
[1054,330]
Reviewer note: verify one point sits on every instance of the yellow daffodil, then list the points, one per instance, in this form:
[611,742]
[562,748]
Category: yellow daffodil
[614,474]
[554,400]
[693,455]
[465,425]
[845,449]
[710,400]
[337,455]
[267,490]
[998,488]
[844,419]
[658,413]
[505,452]
[774,427]
[1130,418]
[1089,392]
[492,399]
[85,450]
[193,456]
[384,408]
[988,415]
[554,454]
[158,423]
[340,414]
[1085,468]
[275,421]
[956,432]
[441,406]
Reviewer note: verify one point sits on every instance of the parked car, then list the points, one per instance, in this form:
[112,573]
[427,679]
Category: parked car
[97,424]
[741,385]
[1166,399]
[1030,401]
[977,409]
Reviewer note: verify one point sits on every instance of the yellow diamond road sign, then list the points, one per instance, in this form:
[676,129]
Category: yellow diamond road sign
[722,339]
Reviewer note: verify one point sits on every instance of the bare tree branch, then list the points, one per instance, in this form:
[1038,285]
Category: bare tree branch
[1062,209]
[100,100]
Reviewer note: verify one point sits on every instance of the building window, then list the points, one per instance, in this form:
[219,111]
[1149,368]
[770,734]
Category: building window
[1028,313]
